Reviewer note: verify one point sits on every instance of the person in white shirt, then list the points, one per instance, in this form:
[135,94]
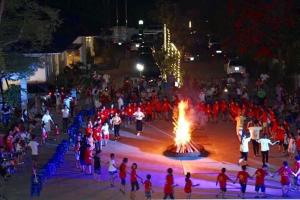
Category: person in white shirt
[116,122]
[254,133]
[105,131]
[264,148]
[112,169]
[65,117]
[244,148]
[33,144]
[139,116]
[47,119]
[120,102]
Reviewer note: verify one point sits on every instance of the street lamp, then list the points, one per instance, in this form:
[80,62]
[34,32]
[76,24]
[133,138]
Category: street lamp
[140,68]
[141,22]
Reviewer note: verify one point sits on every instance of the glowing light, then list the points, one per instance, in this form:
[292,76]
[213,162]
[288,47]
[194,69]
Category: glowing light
[141,22]
[192,58]
[137,45]
[139,67]
[182,126]
[119,43]
[236,68]
[218,51]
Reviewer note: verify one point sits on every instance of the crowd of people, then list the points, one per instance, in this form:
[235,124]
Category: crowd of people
[255,118]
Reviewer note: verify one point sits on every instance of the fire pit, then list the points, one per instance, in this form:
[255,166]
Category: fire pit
[184,147]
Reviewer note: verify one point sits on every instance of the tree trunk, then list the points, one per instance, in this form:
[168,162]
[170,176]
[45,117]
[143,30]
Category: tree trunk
[23,90]
[1,9]
[1,90]
[6,81]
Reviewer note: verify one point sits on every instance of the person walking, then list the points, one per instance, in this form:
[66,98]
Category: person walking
[242,177]
[264,148]
[34,146]
[139,116]
[169,185]
[65,118]
[133,180]
[188,185]
[112,169]
[122,174]
[244,148]
[47,120]
[260,175]
[222,181]
[116,122]
[285,172]
[254,133]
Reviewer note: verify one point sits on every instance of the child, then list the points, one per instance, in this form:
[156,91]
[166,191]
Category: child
[285,172]
[77,154]
[57,131]
[148,187]
[112,169]
[292,147]
[19,150]
[88,159]
[44,134]
[188,185]
[222,181]
[169,185]
[122,174]
[133,180]
[97,165]
[105,131]
[260,175]
[242,177]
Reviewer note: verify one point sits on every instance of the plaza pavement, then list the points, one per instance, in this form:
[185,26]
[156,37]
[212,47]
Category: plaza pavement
[146,150]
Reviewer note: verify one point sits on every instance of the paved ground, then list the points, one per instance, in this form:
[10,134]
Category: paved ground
[219,139]
[146,151]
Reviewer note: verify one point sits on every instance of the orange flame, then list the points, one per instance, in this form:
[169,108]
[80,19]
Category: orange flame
[182,125]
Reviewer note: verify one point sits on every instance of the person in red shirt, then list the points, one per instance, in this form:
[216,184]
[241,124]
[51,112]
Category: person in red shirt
[149,111]
[285,172]
[169,185]
[208,112]
[297,172]
[260,175]
[129,114]
[148,187]
[188,185]
[97,136]
[88,159]
[122,174]
[158,109]
[216,109]
[133,180]
[223,108]
[166,108]
[242,177]
[222,181]
[280,136]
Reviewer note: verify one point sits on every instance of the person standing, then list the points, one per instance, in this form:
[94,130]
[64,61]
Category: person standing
[297,172]
[264,148]
[169,185]
[244,148]
[33,144]
[47,120]
[122,174]
[254,133]
[65,117]
[242,177]
[112,169]
[239,119]
[97,165]
[188,185]
[116,122]
[260,175]
[148,187]
[222,181]
[105,131]
[133,180]
[139,116]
